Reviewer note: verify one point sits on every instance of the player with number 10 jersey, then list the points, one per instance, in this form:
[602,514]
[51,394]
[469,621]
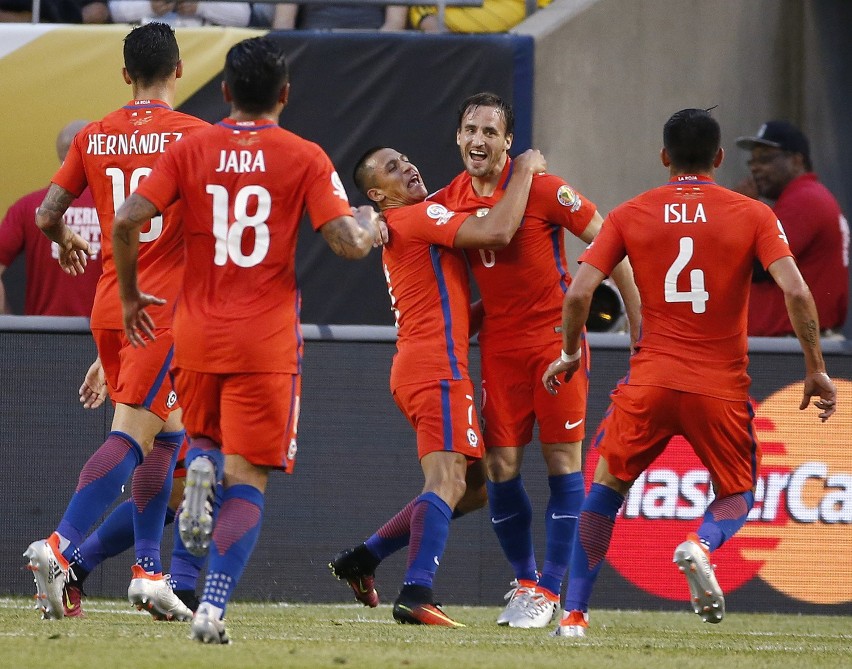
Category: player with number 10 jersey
[113,156]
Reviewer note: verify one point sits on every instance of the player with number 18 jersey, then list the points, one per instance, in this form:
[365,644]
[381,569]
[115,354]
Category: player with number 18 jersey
[238,310]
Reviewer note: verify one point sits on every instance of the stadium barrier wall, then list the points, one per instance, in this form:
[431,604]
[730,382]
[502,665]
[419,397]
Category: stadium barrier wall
[356,467]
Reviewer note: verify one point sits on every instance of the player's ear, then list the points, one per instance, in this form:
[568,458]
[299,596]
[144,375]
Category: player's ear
[126,76]
[665,158]
[284,95]
[720,156]
[509,139]
[375,195]
[179,69]
[226,92]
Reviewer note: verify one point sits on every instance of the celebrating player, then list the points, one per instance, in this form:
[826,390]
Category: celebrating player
[112,156]
[430,296]
[522,287]
[245,183]
[692,245]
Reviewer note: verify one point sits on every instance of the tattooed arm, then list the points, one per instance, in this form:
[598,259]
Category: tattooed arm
[73,249]
[132,215]
[803,316]
[353,236]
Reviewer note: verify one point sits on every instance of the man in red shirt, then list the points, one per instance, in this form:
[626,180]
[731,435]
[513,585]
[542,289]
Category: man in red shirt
[111,156]
[430,297]
[49,291]
[244,185]
[816,229]
[692,244]
[522,286]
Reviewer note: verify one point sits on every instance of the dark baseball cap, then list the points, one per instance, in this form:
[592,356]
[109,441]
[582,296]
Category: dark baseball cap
[779,134]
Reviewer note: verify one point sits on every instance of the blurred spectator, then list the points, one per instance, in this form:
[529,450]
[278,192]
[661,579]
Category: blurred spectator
[333,17]
[53,11]
[495,16]
[180,13]
[48,290]
[816,229]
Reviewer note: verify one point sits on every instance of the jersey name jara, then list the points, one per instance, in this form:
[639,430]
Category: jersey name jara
[684,212]
[241,161]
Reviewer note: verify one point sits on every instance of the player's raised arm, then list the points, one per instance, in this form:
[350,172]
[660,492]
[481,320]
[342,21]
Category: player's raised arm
[803,316]
[73,249]
[496,228]
[132,215]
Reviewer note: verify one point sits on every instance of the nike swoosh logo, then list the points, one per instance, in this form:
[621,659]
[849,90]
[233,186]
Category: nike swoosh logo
[555,517]
[497,521]
[68,603]
[570,426]
[437,564]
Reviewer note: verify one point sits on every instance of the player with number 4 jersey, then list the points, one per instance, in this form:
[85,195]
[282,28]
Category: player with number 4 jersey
[692,244]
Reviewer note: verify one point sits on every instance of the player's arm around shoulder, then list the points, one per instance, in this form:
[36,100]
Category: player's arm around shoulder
[496,229]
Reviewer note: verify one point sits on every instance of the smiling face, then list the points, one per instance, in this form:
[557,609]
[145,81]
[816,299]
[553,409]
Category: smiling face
[483,141]
[395,182]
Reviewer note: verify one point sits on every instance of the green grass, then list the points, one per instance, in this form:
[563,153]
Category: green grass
[280,635]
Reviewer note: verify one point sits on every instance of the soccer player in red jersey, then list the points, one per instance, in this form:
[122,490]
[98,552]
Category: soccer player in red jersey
[692,245]
[244,184]
[522,287]
[428,283]
[111,156]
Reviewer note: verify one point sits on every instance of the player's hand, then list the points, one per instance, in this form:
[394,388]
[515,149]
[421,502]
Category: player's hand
[369,218]
[532,160]
[819,384]
[138,324]
[74,253]
[554,369]
[93,392]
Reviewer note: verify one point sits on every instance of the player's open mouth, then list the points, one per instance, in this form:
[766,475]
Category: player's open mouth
[477,156]
[414,181]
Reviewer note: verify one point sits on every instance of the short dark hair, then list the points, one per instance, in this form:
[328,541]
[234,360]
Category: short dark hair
[256,71]
[487,99]
[692,138]
[151,53]
[360,173]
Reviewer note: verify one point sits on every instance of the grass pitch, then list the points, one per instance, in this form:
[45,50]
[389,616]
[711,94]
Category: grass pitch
[112,634]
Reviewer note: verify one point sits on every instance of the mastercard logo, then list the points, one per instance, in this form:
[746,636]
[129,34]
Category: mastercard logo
[797,538]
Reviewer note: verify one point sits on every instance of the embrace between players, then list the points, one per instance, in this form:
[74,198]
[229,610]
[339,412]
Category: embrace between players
[179,235]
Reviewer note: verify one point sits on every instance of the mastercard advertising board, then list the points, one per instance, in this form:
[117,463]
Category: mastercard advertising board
[798,537]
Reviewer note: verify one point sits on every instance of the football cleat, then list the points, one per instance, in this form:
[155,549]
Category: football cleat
[539,609]
[706,596]
[50,573]
[152,593]
[517,601]
[349,566]
[408,611]
[195,522]
[72,600]
[208,627]
[573,624]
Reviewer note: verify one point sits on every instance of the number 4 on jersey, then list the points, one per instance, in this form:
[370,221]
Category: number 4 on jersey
[696,295]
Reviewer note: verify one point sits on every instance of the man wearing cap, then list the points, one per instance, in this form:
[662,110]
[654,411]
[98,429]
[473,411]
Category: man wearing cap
[814,226]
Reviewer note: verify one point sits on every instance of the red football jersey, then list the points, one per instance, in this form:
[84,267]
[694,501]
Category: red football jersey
[244,187]
[692,244]
[522,285]
[49,291]
[430,295]
[112,156]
